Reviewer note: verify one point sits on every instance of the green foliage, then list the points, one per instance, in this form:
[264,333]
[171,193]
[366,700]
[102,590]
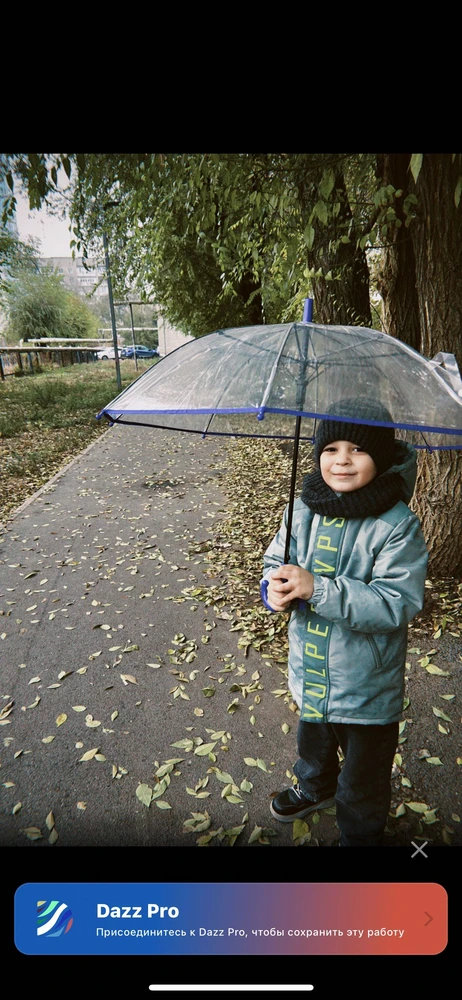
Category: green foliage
[223,239]
[14,255]
[38,305]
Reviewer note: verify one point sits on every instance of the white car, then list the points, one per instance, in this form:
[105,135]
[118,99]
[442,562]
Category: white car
[106,354]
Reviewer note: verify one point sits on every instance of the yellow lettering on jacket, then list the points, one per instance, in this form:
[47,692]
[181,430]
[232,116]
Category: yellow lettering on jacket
[317,630]
[323,567]
[329,522]
[324,542]
[311,711]
[312,650]
[319,673]
[311,692]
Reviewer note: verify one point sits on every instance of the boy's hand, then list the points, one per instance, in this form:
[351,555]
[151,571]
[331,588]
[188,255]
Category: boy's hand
[298,583]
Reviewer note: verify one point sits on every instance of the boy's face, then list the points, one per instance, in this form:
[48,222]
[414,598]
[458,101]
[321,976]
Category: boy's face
[345,467]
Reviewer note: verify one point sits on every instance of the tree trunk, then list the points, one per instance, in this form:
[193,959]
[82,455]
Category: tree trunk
[397,277]
[436,236]
[344,301]
[438,503]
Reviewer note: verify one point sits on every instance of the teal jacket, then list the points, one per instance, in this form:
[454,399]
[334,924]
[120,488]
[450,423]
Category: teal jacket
[347,645]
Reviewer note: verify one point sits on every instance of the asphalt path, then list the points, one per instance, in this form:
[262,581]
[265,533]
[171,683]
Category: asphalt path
[117,716]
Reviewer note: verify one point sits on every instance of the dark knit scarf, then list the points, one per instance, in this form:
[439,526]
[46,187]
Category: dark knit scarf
[377,496]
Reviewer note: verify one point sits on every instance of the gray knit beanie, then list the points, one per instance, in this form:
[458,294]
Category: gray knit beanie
[379,442]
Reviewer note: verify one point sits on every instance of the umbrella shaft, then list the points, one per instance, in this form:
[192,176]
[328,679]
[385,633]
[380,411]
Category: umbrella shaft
[290,511]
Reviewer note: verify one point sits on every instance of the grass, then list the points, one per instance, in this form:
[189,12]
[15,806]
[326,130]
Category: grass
[49,417]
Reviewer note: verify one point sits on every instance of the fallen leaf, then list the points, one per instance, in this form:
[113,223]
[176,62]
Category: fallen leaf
[433,760]
[50,821]
[128,678]
[144,794]
[16,808]
[89,754]
[61,718]
[33,833]
[204,749]
[299,829]
[255,835]
[439,714]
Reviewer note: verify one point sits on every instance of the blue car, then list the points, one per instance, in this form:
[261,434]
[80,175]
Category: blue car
[141,352]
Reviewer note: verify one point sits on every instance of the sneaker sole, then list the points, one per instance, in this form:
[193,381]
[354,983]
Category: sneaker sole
[301,812]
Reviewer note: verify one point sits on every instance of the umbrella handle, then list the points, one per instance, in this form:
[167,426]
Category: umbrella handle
[264,594]
[301,605]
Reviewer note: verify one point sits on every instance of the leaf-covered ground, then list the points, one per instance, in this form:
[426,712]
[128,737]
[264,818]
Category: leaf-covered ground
[48,418]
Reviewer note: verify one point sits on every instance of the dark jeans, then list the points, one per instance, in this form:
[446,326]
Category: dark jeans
[361,786]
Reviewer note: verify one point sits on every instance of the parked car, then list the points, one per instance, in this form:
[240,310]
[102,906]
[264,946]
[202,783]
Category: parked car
[107,354]
[141,352]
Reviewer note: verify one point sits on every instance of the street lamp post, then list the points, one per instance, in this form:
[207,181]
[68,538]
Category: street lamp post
[109,204]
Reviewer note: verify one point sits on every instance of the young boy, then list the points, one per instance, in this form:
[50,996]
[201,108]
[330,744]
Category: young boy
[356,578]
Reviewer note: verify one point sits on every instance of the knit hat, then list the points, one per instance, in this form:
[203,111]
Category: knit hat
[379,442]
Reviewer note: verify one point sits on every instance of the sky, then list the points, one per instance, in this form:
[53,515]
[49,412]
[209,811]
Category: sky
[53,233]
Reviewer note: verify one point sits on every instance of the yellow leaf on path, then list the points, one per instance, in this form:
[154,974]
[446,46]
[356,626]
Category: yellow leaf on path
[78,708]
[433,760]
[48,739]
[16,808]
[33,833]
[61,718]
[53,836]
[144,794]
[255,835]
[299,829]
[128,678]
[204,749]
[439,714]
[81,805]
[50,821]
[89,754]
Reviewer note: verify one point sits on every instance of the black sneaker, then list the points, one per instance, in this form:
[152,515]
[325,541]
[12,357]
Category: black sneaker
[292,804]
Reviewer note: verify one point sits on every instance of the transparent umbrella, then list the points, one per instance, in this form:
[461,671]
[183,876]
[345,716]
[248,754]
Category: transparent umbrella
[277,380]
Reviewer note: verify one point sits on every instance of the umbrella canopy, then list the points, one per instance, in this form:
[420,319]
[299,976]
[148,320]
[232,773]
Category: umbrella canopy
[255,380]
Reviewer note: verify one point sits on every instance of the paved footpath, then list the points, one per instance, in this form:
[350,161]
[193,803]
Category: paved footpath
[105,740]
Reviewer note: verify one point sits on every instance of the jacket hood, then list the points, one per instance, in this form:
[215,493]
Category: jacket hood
[405,465]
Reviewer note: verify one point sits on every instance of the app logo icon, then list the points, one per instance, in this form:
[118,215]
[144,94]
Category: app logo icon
[53,919]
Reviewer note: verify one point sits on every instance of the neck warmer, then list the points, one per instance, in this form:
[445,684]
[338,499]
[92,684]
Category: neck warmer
[377,496]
